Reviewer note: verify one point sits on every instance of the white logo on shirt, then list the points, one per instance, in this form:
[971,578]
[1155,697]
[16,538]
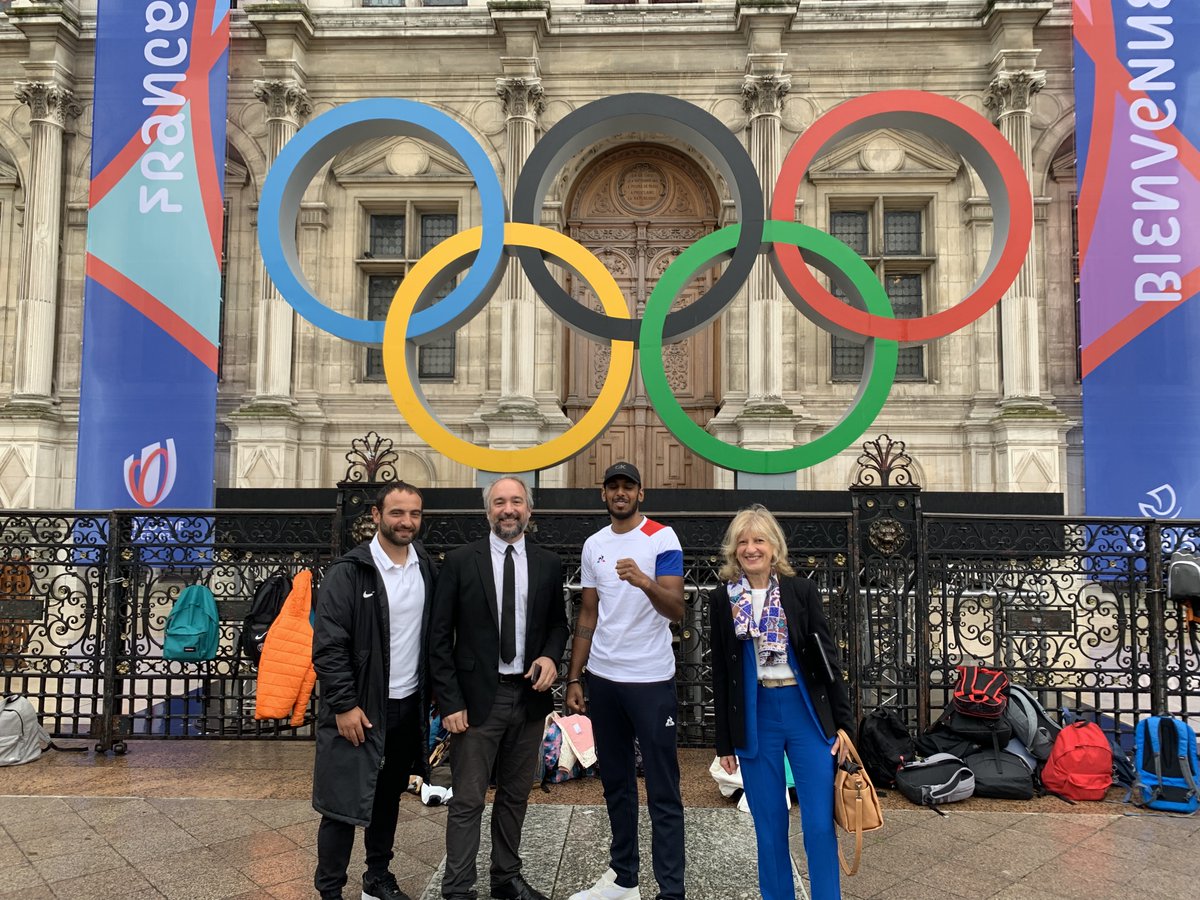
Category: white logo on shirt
[670,723]
[367,595]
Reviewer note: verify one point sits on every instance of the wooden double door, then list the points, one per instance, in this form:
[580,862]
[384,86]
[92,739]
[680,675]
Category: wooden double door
[637,208]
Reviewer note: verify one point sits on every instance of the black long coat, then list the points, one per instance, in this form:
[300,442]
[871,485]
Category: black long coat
[352,656]
[806,623]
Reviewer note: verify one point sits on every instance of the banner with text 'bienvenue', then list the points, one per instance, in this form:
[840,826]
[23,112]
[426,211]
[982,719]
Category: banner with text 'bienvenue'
[1137,91]
[152,300]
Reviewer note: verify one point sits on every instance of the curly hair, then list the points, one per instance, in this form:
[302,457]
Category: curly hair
[755,520]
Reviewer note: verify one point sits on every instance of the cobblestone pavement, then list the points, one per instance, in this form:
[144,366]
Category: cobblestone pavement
[223,819]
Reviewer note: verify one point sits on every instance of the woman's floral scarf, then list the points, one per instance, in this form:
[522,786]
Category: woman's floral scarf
[771,626]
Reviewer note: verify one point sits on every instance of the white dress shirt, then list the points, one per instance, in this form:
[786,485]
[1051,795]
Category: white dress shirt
[521,570]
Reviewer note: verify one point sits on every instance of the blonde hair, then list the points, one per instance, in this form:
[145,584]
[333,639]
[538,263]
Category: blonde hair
[755,520]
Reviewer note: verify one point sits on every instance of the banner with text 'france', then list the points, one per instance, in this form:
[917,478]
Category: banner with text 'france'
[1137,90]
[152,300]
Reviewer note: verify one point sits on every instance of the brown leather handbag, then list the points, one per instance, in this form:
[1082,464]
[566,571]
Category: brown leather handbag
[855,803]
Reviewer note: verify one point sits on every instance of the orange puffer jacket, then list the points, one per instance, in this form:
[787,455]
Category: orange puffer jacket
[285,672]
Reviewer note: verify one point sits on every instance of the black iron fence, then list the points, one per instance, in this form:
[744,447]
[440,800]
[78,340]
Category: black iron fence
[1073,608]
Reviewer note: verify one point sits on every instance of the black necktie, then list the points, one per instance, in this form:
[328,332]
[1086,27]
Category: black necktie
[508,609]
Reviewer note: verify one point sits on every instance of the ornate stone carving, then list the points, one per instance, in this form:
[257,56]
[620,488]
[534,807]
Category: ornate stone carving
[762,95]
[283,99]
[521,96]
[48,102]
[1013,91]
[642,187]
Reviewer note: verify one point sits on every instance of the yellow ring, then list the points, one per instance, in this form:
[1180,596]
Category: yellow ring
[406,392]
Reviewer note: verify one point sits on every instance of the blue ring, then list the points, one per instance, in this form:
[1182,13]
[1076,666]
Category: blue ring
[320,141]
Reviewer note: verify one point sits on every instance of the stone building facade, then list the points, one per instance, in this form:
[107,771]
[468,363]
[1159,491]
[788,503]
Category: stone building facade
[995,406]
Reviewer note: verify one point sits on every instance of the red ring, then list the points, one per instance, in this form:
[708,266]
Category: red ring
[850,117]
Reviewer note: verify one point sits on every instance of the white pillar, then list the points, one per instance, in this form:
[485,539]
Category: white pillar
[50,106]
[1010,95]
[287,104]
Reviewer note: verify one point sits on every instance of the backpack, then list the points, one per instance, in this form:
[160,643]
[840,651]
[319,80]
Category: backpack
[1031,724]
[940,778]
[1123,772]
[1000,774]
[22,737]
[939,739]
[1081,763]
[884,745]
[981,692]
[192,632]
[1183,577]
[1167,767]
[268,601]
[551,754]
[1183,586]
[994,733]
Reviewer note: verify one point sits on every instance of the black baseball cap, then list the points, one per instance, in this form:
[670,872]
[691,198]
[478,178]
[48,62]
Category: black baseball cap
[623,469]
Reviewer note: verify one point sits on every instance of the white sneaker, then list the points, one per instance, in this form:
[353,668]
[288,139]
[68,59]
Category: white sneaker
[608,889]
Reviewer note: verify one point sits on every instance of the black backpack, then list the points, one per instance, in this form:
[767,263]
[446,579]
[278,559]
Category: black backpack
[268,601]
[884,745]
[1001,774]
[939,739]
[991,733]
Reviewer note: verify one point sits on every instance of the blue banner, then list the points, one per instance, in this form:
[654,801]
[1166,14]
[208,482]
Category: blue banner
[152,299]
[1137,90]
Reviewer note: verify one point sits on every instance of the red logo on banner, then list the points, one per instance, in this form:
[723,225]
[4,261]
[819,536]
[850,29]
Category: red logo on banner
[149,479]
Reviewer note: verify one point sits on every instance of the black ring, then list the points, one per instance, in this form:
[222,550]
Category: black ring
[641,112]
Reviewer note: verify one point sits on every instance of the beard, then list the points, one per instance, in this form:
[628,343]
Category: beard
[395,536]
[621,515]
[508,527]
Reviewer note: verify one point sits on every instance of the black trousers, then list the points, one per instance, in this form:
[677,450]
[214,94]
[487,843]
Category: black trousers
[620,712]
[508,741]
[335,840]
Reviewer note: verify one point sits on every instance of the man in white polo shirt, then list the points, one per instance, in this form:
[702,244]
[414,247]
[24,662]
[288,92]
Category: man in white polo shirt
[632,578]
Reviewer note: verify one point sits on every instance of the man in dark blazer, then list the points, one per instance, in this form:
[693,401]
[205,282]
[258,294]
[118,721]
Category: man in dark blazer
[496,638]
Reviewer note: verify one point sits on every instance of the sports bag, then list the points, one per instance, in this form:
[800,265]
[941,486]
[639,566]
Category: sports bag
[1167,767]
[1031,724]
[192,629]
[993,733]
[264,608]
[981,692]
[1081,764]
[938,779]
[22,737]
[1183,577]
[1001,775]
[884,745]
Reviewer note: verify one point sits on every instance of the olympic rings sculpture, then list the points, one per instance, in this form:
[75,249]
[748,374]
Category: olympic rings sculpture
[416,316]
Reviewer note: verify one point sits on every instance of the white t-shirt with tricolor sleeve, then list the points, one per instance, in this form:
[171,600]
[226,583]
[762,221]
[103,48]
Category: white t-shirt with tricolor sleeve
[632,642]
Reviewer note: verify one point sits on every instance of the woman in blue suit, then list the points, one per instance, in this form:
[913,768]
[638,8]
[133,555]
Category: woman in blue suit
[777,690]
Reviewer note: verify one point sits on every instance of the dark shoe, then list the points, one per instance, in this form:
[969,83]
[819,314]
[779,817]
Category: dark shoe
[516,889]
[382,887]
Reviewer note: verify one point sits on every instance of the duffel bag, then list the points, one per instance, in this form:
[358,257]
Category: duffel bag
[941,778]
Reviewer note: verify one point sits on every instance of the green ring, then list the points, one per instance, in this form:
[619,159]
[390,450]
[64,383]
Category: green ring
[820,248]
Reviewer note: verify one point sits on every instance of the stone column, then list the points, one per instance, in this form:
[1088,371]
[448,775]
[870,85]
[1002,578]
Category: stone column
[762,98]
[287,105]
[50,105]
[1010,98]
[522,97]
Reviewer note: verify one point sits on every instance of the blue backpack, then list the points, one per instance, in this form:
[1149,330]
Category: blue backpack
[1167,767]
[192,629]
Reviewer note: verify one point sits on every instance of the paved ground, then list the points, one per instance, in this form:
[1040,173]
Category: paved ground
[222,819]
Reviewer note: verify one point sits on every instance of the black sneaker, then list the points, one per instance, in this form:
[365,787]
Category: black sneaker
[382,887]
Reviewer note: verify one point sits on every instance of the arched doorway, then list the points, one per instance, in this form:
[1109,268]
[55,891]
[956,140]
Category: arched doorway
[636,208]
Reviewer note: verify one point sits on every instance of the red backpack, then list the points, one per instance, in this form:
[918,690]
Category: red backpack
[1080,763]
[981,692]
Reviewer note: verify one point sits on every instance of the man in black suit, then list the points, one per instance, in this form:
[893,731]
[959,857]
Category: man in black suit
[496,638]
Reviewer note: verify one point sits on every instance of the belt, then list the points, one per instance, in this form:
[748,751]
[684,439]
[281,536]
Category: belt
[515,679]
[776,682]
